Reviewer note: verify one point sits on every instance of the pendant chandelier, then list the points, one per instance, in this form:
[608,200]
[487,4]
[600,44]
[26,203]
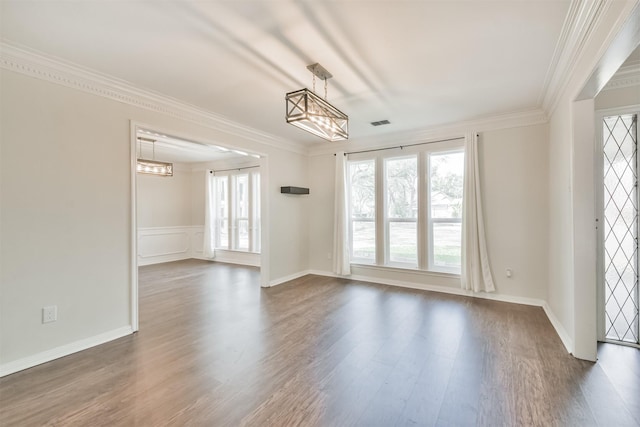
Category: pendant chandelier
[152,167]
[313,114]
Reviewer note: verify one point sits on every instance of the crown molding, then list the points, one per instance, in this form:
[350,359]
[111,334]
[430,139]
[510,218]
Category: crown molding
[35,64]
[581,20]
[452,130]
[626,76]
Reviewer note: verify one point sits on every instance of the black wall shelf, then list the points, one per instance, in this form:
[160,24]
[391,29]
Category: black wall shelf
[294,190]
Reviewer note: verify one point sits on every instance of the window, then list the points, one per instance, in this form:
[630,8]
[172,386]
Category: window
[241,220]
[222,235]
[401,216]
[363,211]
[445,213]
[238,211]
[406,207]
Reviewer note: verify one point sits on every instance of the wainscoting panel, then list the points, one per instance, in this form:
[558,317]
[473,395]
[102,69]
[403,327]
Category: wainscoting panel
[197,242]
[238,257]
[164,244]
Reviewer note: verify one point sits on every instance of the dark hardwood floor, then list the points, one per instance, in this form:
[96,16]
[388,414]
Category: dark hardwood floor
[214,349]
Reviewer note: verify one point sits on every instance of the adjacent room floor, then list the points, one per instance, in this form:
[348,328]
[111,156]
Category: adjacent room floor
[215,349]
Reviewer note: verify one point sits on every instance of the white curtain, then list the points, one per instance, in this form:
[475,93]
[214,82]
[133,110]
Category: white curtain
[476,272]
[341,263]
[210,219]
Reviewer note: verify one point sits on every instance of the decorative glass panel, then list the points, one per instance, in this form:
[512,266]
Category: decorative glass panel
[620,228]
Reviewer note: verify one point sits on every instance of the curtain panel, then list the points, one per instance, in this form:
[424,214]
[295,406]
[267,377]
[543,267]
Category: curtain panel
[476,271]
[341,261]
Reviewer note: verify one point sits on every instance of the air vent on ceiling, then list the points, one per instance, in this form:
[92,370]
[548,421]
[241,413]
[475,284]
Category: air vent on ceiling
[380,123]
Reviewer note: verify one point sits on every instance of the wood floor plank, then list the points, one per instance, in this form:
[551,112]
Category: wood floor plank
[216,349]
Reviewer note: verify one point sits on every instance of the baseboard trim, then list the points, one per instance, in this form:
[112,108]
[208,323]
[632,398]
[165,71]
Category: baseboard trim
[562,333]
[434,288]
[285,279]
[64,350]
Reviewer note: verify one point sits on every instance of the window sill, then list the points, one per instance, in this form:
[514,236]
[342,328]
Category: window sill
[237,251]
[410,270]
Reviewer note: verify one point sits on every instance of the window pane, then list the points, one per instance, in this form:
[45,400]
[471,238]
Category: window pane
[402,187]
[243,234]
[222,206]
[403,242]
[364,241]
[446,184]
[242,196]
[223,233]
[363,189]
[363,210]
[256,212]
[446,244]
[223,198]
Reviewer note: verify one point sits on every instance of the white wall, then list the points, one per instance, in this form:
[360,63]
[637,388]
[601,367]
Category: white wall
[514,175]
[618,97]
[197,195]
[66,213]
[572,251]
[167,201]
[167,211]
[288,217]
[514,165]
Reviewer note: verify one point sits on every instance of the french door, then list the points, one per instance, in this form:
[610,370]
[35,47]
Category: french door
[618,228]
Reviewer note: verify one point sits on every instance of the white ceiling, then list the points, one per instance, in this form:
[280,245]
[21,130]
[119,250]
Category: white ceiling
[152,145]
[418,64]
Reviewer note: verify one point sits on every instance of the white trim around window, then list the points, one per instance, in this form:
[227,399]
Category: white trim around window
[237,196]
[380,230]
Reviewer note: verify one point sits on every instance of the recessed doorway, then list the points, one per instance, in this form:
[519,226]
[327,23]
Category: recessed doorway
[179,209]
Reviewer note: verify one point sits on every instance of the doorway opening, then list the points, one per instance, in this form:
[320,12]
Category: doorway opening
[176,216]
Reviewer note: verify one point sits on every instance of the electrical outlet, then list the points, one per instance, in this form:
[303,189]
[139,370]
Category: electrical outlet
[49,313]
[509,272]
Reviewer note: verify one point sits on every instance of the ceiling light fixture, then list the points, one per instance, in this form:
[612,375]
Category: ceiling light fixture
[152,167]
[313,114]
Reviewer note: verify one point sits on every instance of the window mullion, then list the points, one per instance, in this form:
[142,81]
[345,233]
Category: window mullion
[381,217]
[422,229]
[231,213]
[250,210]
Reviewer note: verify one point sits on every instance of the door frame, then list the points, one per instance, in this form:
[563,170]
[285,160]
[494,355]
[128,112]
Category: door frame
[134,126]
